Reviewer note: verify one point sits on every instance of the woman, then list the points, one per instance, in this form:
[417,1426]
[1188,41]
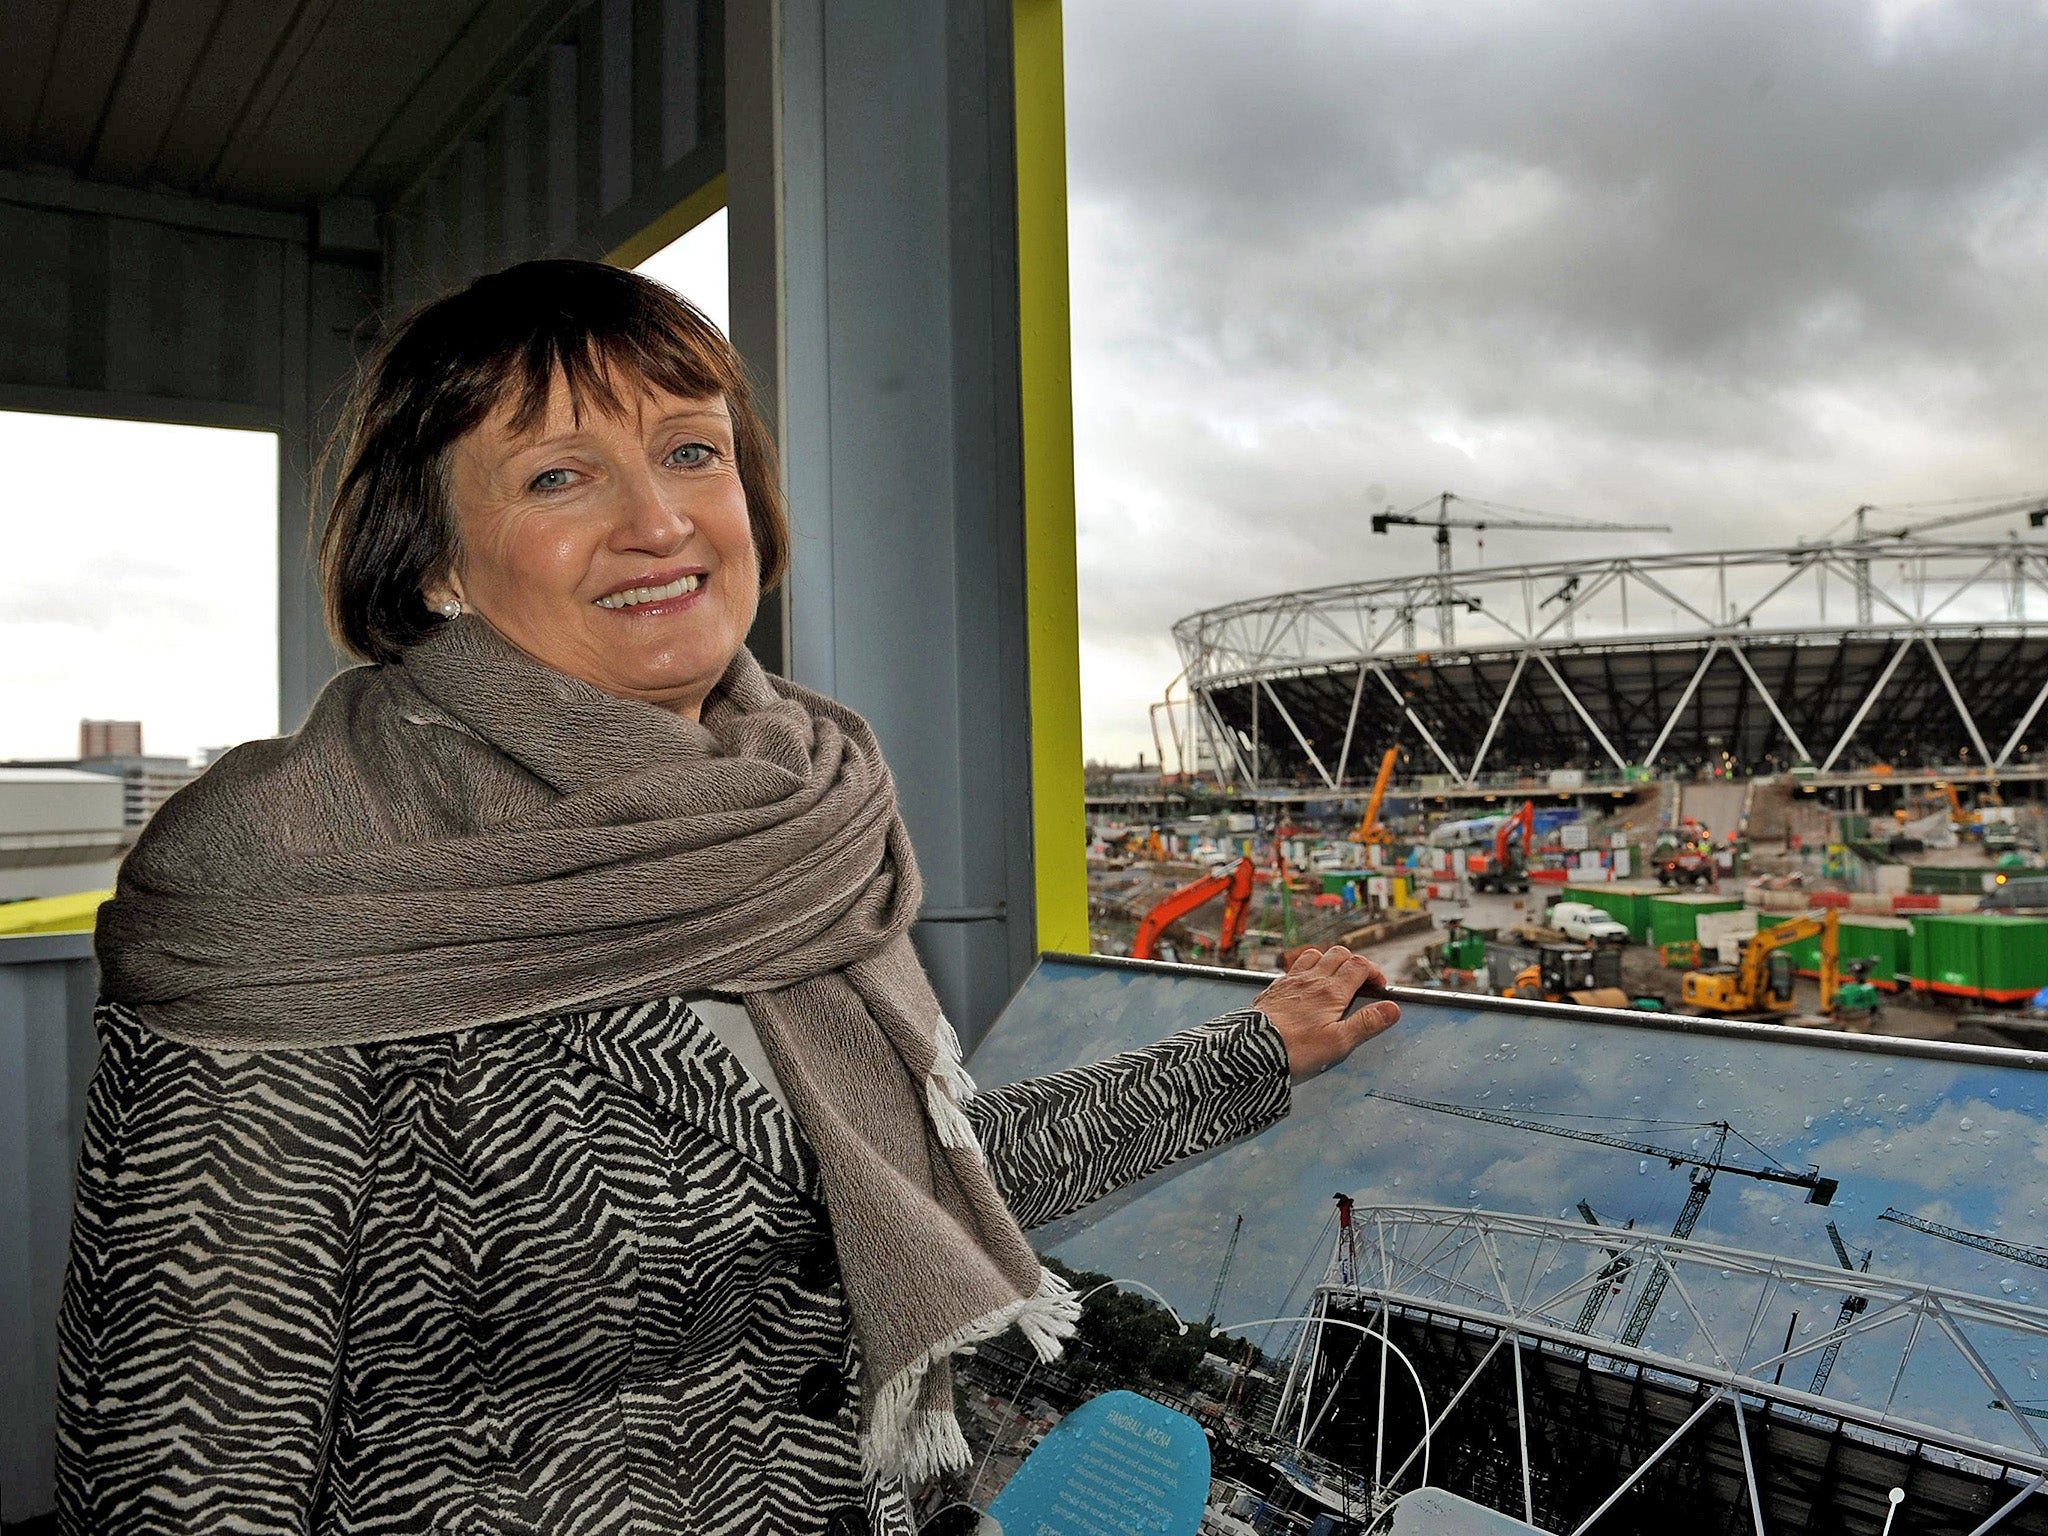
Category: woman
[520,1108]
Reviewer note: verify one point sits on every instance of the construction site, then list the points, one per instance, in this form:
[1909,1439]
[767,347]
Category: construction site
[1800,784]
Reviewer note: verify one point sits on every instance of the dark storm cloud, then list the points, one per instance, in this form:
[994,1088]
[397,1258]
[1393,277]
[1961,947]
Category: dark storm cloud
[1738,265]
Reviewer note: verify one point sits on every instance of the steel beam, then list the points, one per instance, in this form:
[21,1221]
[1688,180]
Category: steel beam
[1350,723]
[1770,701]
[1870,698]
[1394,689]
[1756,1503]
[1955,697]
[1522,1430]
[1684,698]
[1581,711]
[1642,1468]
[2011,1504]
[2012,741]
[1500,710]
[1302,740]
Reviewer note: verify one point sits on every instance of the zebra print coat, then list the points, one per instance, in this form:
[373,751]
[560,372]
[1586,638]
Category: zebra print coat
[565,1278]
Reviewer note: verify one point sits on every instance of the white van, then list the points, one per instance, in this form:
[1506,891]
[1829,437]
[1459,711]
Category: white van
[1585,922]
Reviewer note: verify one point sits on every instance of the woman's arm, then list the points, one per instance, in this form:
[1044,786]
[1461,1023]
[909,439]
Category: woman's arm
[211,1242]
[1055,1143]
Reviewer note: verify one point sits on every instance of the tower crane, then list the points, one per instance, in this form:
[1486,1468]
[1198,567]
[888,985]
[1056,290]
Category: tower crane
[1615,1274]
[2035,508]
[1495,516]
[1819,1189]
[1851,1306]
[2004,1250]
[1223,1274]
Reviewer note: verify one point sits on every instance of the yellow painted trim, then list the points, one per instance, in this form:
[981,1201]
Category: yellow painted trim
[671,226]
[1052,601]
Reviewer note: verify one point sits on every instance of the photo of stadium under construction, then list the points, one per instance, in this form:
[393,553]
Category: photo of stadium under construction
[1578,1270]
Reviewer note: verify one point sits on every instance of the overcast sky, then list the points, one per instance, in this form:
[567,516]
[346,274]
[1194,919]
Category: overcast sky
[1733,265]
[139,583]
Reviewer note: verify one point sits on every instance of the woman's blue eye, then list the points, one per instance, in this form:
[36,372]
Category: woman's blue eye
[692,453]
[550,480]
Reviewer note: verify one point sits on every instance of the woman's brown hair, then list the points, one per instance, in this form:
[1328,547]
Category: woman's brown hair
[506,338]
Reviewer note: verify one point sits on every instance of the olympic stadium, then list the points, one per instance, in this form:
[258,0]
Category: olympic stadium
[1921,658]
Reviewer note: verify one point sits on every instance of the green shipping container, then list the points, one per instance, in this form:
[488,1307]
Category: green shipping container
[1994,956]
[1939,880]
[1676,919]
[1626,901]
[2015,955]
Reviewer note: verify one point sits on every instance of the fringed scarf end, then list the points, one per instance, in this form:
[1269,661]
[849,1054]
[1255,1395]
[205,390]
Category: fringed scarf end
[946,1087]
[905,1440]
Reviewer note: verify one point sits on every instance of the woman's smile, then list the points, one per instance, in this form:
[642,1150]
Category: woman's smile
[656,596]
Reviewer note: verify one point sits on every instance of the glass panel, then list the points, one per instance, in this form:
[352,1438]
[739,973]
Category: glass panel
[1471,1211]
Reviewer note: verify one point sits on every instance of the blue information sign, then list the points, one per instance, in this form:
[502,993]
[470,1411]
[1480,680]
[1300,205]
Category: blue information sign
[1119,1465]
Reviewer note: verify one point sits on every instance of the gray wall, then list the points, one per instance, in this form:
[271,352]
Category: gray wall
[606,124]
[47,1051]
[873,214]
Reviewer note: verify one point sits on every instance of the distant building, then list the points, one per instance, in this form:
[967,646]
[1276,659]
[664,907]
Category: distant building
[61,831]
[146,782]
[113,749]
[109,738]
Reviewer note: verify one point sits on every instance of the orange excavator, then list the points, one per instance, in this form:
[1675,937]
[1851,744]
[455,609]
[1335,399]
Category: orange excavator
[1234,884]
[1501,870]
[1370,828]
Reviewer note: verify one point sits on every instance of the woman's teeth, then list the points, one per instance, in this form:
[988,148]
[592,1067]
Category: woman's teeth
[637,595]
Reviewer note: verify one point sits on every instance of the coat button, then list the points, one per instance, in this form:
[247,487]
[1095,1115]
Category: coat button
[820,1393]
[817,1268]
[850,1521]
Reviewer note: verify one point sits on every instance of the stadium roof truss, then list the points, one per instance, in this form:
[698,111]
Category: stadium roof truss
[1834,656]
[1931,1364]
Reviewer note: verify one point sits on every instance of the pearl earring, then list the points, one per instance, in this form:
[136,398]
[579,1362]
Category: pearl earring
[450,609]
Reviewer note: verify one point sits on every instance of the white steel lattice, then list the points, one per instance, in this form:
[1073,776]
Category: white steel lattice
[1827,655]
[1939,1365]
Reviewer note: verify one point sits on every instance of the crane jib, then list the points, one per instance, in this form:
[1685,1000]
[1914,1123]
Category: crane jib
[1819,1190]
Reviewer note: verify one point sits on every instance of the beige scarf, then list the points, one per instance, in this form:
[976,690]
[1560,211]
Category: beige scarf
[472,838]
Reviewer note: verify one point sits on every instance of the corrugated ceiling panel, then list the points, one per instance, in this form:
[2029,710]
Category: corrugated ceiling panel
[89,51]
[248,35]
[169,45]
[32,28]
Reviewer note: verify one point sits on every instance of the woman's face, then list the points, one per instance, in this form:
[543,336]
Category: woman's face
[617,551]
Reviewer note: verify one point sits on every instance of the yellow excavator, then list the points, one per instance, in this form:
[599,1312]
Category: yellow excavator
[1763,982]
[1370,828]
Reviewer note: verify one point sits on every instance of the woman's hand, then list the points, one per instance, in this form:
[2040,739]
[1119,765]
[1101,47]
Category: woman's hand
[1307,1007]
